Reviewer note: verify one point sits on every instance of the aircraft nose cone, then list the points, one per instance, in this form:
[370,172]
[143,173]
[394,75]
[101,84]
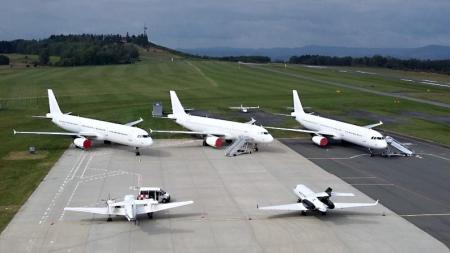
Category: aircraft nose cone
[384,144]
[269,139]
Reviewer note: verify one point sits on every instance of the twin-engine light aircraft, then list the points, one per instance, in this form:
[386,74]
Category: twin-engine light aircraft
[243,108]
[130,207]
[324,128]
[84,130]
[311,201]
[214,131]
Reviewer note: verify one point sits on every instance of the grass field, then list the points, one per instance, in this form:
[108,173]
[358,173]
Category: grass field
[123,93]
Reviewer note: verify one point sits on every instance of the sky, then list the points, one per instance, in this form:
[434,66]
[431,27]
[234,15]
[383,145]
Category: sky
[237,23]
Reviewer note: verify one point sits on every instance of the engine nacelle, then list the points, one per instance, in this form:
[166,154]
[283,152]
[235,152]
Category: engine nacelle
[308,204]
[82,142]
[214,141]
[320,140]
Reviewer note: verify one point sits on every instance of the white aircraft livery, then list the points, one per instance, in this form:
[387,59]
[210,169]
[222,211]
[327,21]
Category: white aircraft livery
[311,201]
[130,207]
[84,130]
[324,128]
[215,131]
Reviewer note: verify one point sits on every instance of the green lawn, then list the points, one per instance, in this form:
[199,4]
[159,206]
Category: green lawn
[123,93]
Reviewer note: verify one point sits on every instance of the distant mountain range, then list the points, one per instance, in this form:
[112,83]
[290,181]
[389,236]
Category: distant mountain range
[432,52]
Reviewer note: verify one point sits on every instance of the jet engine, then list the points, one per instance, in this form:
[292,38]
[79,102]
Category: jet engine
[308,204]
[320,140]
[82,142]
[214,141]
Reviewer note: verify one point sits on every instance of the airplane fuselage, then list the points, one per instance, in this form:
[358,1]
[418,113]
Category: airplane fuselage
[343,131]
[230,129]
[105,131]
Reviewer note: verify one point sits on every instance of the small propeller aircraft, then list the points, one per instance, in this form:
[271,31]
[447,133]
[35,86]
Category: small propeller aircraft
[130,207]
[311,201]
[243,108]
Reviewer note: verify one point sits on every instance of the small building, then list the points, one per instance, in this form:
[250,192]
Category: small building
[157,109]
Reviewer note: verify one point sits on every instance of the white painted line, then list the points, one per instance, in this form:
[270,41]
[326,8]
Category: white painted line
[357,177]
[78,167]
[375,184]
[87,165]
[337,158]
[425,214]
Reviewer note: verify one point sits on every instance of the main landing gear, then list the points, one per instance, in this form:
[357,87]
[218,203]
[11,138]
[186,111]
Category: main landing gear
[150,215]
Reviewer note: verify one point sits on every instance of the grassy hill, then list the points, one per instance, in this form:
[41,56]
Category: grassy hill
[123,93]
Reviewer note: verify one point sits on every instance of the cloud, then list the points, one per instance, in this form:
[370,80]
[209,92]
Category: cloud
[250,23]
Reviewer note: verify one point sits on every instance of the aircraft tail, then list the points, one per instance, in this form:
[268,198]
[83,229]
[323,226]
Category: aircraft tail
[53,104]
[298,109]
[177,108]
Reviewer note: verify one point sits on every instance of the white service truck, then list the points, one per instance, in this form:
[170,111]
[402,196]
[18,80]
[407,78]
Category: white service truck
[155,193]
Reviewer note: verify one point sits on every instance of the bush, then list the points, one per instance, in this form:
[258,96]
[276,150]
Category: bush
[4,60]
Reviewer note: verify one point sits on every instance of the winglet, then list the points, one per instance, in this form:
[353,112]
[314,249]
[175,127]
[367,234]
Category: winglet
[257,206]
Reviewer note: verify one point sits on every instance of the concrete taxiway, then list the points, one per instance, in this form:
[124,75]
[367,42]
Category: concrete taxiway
[416,188]
[223,218]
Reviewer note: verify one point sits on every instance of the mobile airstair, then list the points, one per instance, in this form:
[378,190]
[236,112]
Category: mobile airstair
[396,148]
[240,146]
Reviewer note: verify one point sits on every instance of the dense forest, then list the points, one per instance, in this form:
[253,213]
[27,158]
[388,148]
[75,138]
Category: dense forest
[84,49]
[441,66]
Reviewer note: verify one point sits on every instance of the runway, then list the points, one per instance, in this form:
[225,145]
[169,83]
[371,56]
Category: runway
[416,188]
[223,218]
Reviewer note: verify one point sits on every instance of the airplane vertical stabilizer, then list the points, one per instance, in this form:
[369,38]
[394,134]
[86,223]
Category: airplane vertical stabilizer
[298,109]
[177,108]
[53,104]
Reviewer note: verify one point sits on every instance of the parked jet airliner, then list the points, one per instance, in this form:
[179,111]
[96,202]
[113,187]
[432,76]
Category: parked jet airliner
[84,130]
[215,131]
[324,128]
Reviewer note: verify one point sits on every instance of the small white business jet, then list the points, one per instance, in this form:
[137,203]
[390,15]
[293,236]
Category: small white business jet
[214,131]
[243,108]
[130,207]
[324,128]
[311,201]
[84,130]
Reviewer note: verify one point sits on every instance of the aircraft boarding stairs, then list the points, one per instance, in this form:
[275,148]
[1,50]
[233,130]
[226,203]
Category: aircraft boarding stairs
[396,145]
[240,146]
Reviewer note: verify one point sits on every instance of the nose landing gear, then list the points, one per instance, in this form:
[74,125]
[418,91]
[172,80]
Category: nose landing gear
[137,152]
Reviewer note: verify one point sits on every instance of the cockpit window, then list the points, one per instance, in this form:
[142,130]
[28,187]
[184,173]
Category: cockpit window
[377,138]
[143,136]
[265,133]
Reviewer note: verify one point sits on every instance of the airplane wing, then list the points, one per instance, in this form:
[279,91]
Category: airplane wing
[187,132]
[161,207]
[349,205]
[234,108]
[293,129]
[287,207]
[58,133]
[302,131]
[334,194]
[97,210]
[251,122]
[374,125]
[134,122]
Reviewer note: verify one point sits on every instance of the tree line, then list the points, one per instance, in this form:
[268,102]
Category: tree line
[441,66]
[84,49]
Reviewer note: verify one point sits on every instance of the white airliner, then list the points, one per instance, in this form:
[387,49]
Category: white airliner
[243,108]
[84,130]
[214,131]
[311,201]
[130,207]
[324,128]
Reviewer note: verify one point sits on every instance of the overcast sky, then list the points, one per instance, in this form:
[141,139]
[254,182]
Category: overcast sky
[237,23]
